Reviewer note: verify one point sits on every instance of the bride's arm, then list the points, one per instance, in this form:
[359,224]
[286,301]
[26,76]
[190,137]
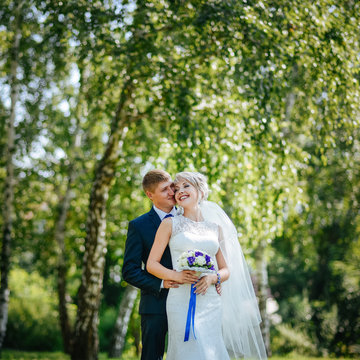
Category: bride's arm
[223,268]
[206,281]
[153,265]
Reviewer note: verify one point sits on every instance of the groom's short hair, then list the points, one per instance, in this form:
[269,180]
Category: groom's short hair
[153,178]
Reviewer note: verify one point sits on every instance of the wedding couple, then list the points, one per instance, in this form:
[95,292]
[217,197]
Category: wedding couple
[200,323]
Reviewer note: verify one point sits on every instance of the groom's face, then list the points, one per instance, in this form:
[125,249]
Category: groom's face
[162,195]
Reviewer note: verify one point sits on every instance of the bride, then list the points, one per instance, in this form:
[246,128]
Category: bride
[203,325]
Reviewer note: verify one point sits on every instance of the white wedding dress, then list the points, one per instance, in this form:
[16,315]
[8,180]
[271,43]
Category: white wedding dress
[209,344]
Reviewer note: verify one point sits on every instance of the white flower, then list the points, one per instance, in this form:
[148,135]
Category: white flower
[200,261]
[183,262]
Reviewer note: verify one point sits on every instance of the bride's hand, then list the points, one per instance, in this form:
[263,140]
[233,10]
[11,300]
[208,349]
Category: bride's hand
[186,277]
[204,283]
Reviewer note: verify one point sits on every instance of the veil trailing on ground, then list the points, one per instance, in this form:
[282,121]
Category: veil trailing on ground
[241,316]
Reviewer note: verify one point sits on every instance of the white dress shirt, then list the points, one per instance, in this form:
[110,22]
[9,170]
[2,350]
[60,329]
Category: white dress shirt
[162,214]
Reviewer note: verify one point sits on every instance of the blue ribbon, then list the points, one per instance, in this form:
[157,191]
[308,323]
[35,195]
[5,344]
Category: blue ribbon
[191,314]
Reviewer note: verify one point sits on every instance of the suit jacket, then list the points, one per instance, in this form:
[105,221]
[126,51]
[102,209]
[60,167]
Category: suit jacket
[140,238]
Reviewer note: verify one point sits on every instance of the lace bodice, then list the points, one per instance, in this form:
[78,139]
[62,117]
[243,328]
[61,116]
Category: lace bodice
[190,235]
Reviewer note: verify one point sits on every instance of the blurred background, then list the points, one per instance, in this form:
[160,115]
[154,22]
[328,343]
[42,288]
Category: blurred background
[261,97]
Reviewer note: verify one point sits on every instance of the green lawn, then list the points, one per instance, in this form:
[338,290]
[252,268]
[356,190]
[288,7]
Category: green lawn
[28,355]
[22,355]
[300,357]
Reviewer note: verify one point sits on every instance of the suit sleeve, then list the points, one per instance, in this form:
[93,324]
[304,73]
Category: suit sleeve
[132,268]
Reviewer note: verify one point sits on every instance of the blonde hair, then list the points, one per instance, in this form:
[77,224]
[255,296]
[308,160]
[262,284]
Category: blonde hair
[195,179]
[153,178]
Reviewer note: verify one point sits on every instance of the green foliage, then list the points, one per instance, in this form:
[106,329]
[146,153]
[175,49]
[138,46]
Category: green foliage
[33,319]
[262,97]
[287,340]
[321,237]
[107,321]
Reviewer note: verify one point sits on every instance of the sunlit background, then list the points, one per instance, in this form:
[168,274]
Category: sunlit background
[261,97]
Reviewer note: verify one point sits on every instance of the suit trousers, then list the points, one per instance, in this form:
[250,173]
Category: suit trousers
[154,328]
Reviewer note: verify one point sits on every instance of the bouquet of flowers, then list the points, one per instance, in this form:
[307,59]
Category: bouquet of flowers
[196,260]
[202,263]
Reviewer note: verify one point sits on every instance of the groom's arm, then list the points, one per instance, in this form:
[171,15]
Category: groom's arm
[132,268]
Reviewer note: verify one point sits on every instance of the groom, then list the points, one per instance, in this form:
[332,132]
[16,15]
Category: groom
[157,185]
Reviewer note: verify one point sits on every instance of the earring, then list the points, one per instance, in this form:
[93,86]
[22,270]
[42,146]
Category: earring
[180,210]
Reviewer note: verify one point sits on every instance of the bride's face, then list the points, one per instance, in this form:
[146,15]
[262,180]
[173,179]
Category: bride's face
[186,194]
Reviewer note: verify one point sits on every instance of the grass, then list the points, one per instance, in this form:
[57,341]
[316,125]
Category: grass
[29,355]
[26,355]
[300,357]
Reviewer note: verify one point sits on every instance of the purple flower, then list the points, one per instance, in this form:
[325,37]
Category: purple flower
[207,259]
[212,267]
[191,260]
[198,253]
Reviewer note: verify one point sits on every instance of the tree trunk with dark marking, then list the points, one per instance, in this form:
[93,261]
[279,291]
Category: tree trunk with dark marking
[263,290]
[62,266]
[122,322]
[60,225]
[8,205]
[86,343]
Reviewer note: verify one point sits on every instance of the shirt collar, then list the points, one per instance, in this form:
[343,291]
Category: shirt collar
[162,214]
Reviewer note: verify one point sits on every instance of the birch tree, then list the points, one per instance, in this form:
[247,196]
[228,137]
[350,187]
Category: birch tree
[28,74]
[8,206]
[73,156]
[122,322]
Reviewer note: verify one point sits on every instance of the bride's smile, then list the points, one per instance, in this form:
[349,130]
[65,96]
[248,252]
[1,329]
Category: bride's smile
[185,194]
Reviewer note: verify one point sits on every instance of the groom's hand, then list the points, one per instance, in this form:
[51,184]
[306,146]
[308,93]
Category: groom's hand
[170,284]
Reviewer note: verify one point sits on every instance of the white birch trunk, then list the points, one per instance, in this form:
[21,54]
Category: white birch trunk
[263,291]
[122,322]
[64,205]
[86,342]
[62,268]
[8,206]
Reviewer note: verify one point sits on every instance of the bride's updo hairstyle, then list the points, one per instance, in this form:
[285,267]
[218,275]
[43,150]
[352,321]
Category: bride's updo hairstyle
[195,179]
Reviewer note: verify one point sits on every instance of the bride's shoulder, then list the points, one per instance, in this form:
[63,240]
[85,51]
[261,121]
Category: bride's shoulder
[178,224]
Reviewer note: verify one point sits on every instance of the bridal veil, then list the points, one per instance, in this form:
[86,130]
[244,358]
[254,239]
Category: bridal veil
[241,317]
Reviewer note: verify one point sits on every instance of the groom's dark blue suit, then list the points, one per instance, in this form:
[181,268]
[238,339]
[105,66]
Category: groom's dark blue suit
[140,238]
